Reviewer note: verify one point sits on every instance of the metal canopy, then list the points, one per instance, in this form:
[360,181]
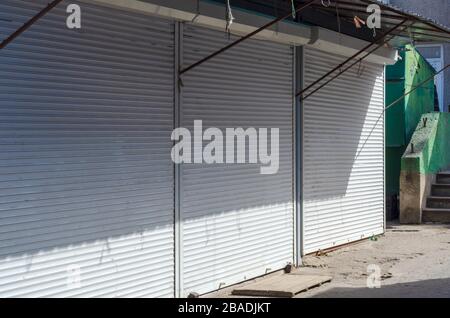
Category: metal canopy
[337,15]
[323,13]
[424,30]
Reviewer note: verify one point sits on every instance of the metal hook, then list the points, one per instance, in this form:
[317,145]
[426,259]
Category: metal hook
[229,18]
[198,12]
[294,14]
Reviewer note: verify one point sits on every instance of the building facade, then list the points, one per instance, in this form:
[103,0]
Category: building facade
[437,54]
[92,203]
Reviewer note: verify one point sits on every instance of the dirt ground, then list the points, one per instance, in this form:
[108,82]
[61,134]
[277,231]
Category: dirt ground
[414,261]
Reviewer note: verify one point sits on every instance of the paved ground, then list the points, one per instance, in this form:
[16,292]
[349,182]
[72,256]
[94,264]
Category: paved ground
[414,261]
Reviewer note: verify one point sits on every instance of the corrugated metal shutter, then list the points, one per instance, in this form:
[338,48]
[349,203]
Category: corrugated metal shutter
[343,167]
[86,176]
[238,224]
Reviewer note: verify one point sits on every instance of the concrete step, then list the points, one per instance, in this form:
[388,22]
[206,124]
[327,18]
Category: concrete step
[438,202]
[436,215]
[440,190]
[443,177]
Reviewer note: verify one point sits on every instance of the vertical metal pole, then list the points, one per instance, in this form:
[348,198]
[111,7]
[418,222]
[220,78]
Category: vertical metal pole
[302,152]
[298,84]
[294,157]
[178,222]
[384,151]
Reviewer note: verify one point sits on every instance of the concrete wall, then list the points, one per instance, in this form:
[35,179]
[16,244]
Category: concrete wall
[402,119]
[431,145]
[427,154]
[414,189]
[438,10]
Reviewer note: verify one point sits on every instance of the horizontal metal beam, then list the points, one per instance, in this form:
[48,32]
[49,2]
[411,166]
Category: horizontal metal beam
[229,46]
[346,61]
[29,23]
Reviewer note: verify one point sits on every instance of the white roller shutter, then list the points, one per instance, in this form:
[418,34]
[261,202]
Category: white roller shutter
[86,186]
[237,223]
[343,165]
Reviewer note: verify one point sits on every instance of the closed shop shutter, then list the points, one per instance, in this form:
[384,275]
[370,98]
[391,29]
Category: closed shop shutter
[86,186]
[237,223]
[343,168]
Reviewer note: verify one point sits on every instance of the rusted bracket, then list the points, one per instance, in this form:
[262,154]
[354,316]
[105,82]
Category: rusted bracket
[348,60]
[229,46]
[29,23]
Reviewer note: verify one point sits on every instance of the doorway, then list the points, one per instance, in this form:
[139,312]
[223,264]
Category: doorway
[434,54]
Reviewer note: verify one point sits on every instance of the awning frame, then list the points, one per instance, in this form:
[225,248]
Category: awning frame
[345,7]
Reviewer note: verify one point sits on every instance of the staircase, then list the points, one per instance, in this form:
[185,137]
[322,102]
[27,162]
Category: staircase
[438,203]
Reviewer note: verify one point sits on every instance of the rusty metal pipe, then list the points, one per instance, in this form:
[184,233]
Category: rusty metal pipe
[350,58]
[229,46]
[29,23]
[346,69]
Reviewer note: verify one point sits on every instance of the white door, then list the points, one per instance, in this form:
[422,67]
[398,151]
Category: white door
[237,223]
[86,186]
[343,155]
[434,55]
